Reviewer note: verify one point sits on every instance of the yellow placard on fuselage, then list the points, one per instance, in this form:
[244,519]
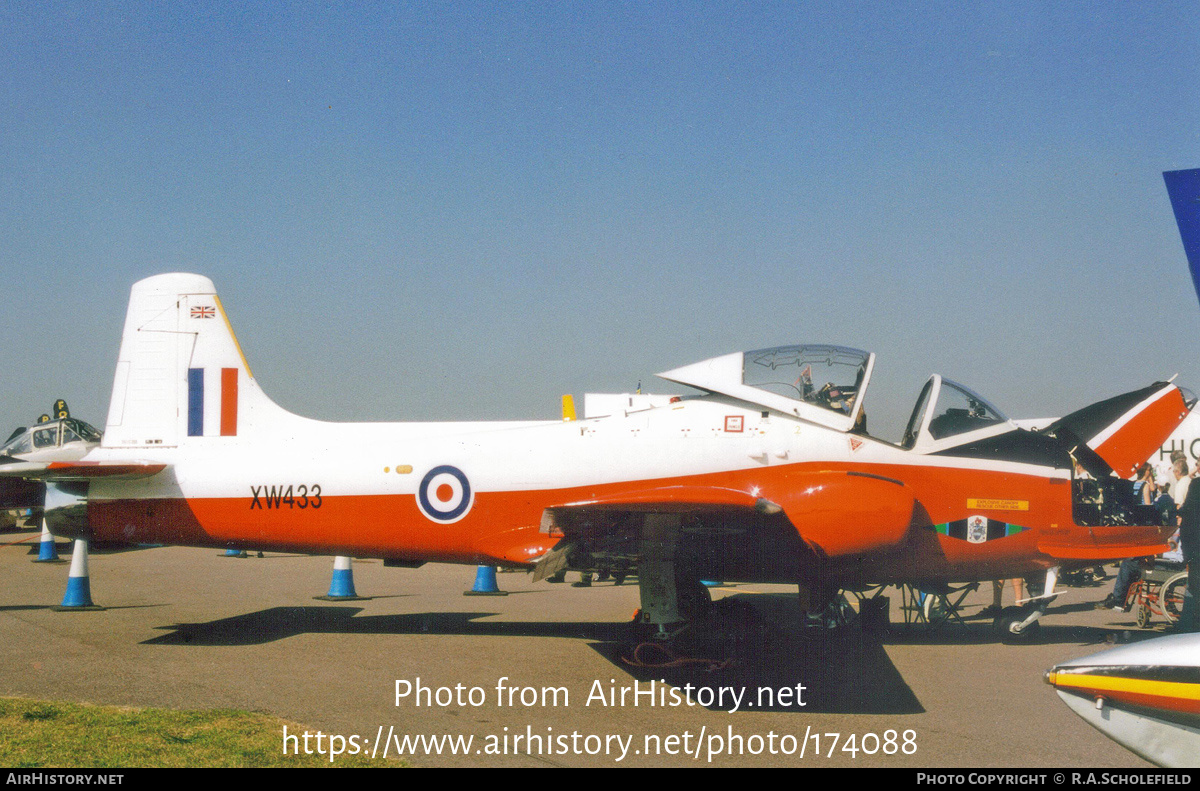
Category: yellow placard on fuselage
[997,505]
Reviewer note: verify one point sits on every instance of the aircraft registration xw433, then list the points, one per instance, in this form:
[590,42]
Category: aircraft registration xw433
[768,475]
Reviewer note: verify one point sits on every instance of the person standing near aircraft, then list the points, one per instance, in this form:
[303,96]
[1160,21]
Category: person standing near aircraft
[997,606]
[1183,481]
[1144,487]
[1189,539]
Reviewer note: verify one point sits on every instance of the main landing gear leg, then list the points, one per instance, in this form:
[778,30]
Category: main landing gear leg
[656,575]
[673,624]
[1020,624]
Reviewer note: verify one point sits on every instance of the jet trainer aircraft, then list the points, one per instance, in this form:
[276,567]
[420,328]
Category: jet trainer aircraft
[767,476]
[61,438]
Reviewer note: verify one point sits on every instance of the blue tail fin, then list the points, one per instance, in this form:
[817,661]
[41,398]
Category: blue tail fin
[1184,188]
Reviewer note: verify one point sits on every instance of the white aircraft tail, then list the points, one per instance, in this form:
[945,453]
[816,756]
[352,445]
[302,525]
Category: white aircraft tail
[181,376]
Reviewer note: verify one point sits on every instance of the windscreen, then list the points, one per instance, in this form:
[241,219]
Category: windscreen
[959,410]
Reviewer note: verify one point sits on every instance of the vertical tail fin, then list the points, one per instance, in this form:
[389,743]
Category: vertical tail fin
[1184,188]
[181,376]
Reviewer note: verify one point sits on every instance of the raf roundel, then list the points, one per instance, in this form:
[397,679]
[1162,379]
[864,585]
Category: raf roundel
[444,494]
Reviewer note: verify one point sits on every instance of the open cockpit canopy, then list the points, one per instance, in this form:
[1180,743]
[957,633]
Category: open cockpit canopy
[948,414]
[820,383]
[827,384]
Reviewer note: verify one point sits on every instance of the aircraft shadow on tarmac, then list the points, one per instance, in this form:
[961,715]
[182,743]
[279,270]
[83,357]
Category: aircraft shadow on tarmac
[845,671]
[983,632]
[976,630]
[842,671]
[278,623]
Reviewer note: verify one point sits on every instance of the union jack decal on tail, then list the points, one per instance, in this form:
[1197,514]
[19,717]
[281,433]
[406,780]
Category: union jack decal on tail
[204,312]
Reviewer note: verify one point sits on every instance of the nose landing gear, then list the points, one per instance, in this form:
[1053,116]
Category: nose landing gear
[1021,624]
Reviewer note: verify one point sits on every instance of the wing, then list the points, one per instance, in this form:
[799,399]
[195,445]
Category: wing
[1113,541]
[834,513]
[23,483]
[11,467]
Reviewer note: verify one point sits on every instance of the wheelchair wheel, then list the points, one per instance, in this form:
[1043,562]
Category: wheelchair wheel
[1143,614]
[1170,596]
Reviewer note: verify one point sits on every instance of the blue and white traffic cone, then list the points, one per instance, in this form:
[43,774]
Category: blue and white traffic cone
[485,583]
[47,552]
[341,587]
[79,590]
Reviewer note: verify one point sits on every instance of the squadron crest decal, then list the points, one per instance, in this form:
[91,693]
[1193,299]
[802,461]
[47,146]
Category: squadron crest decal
[978,529]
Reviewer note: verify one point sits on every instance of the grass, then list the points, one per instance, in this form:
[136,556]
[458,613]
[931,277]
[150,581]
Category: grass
[44,734]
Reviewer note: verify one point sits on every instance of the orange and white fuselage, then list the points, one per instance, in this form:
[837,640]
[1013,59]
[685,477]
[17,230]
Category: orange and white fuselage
[767,472]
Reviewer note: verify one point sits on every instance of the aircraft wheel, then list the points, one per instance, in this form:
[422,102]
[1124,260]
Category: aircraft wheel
[1008,626]
[1170,596]
[694,600]
[874,614]
[737,620]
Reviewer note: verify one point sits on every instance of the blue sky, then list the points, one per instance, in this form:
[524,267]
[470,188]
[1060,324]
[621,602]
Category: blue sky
[464,210]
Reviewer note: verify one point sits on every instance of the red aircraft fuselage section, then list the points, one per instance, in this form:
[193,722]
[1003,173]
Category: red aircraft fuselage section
[898,525]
